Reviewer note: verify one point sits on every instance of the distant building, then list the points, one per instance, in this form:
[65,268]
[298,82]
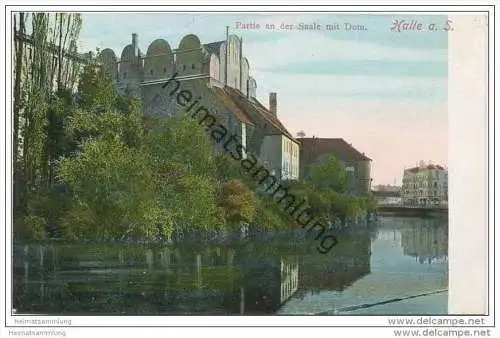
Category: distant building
[425,185]
[357,164]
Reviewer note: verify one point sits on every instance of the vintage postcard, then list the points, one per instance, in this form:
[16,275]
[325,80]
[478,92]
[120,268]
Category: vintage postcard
[237,164]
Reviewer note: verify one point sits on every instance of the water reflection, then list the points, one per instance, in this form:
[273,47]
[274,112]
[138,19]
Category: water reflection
[426,242]
[347,263]
[279,275]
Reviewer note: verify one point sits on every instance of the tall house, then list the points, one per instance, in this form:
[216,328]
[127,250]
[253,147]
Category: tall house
[58,64]
[69,63]
[425,185]
[217,76]
[357,164]
[279,150]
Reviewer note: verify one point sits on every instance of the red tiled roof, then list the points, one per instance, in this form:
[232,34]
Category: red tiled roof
[271,118]
[225,100]
[257,111]
[315,147]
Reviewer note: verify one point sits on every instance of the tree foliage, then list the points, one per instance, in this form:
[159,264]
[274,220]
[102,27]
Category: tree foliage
[238,202]
[113,193]
[44,74]
[328,173]
[182,155]
[327,192]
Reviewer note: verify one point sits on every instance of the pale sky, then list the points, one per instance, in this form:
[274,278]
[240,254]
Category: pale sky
[385,92]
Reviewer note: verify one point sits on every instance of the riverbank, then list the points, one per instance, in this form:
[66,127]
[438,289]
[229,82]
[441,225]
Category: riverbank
[399,211]
[200,238]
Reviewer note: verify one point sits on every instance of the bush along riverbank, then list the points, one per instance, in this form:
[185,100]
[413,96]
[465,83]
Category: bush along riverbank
[118,176]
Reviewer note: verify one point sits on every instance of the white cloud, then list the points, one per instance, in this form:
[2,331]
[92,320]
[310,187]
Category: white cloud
[310,87]
[308,46]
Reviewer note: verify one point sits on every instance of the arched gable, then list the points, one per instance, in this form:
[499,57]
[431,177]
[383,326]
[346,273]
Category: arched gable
[127,54]
[233,61]
[127,68]
[189,58]
[190,41]
[252,87]
[159,61]
[109,61]
[222,63]
[214,66]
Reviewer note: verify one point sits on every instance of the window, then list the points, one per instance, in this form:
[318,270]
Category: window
[151,72]
[192,66]
[164,70]
[125,75]
[183,67]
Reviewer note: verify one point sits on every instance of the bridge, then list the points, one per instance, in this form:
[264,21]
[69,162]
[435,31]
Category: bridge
[412,210]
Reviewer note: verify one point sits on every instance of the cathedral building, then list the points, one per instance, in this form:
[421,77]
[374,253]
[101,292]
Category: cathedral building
[216,74]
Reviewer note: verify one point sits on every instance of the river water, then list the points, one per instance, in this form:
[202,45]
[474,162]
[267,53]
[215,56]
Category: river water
[399,266]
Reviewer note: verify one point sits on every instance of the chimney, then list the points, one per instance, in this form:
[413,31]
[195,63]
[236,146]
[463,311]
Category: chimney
[272,103]
[135,44]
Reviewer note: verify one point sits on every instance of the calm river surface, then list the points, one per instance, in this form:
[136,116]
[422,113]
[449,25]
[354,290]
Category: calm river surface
[400,266]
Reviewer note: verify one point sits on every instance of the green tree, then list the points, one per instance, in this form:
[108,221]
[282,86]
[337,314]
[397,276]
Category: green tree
[51,71]
[268,216]
[114,193]
[100,111]
[44,74]
[182,140]
[370,204]
[238,202]
[328,173]
[182,156]
[19,32]
[96,92]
